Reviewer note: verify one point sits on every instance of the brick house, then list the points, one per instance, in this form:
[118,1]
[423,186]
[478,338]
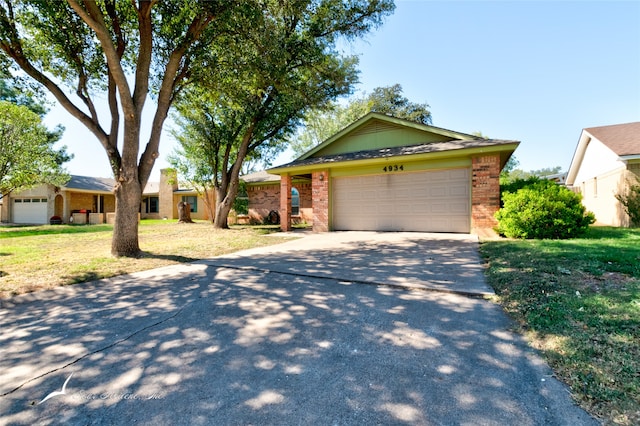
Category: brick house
[605,160]
[386,174]
[87,199]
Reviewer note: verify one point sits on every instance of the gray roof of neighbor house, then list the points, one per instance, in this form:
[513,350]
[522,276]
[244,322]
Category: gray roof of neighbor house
[88,183]
[259,177]
[623,139]
[398,151]
[96,184]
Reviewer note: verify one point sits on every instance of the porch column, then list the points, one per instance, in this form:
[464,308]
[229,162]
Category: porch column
[285,203]
[485,191]
[320,200]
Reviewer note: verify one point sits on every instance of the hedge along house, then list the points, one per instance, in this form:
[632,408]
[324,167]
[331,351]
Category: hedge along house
[387,174]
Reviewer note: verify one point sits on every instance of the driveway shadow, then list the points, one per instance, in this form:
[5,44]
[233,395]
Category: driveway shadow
[202,344]
[442,262]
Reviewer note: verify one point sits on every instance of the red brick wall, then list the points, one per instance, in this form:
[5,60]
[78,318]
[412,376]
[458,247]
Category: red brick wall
[485,191]
[320,194]
[285,203]
[263,199]
[306,210]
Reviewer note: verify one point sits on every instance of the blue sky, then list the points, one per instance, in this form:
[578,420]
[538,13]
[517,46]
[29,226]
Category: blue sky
[537,72]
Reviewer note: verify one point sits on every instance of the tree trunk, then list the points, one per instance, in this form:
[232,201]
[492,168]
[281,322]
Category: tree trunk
[223,207]
[184,212]
[211,211]
[125,228]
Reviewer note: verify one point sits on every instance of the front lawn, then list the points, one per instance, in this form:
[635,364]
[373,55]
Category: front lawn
[40,257]
[578,302]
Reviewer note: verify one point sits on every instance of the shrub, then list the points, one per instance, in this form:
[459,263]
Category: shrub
[542,209]
[241,202]
[631,201]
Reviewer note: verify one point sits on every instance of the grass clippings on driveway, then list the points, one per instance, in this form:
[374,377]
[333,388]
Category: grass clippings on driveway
[578,302]
[41,257]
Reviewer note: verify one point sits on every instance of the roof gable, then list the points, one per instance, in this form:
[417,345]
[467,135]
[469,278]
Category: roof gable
[622,139]
[378,131]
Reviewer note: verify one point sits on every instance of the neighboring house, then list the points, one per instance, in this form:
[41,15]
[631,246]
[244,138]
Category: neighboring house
[91,200]
[605,159]
[559,178]
[387,174]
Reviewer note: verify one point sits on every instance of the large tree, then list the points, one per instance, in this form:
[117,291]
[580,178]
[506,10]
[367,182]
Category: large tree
[27,155]
[321,123]
[19,95]
[288,65]
[85,51]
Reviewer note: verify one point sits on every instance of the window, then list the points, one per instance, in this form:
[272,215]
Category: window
[153,205]
[150,205]
[295,202]
[98,203]
[193,202]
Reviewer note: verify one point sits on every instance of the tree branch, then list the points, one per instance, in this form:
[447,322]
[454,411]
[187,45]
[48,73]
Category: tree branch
[93,17]
[167,91]
[13,47]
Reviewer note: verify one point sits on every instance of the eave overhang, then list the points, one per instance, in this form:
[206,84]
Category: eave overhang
[426,152]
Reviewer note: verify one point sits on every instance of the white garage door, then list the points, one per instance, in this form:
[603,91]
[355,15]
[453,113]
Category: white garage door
[434,201]
[30,210]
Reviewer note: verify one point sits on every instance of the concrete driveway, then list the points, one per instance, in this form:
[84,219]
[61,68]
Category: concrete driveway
[340,328]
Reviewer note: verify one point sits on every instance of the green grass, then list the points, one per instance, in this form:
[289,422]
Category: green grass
[578,302]
[40,257]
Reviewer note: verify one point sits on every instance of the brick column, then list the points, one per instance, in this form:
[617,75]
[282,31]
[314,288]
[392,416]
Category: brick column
[320,200]
[285,203]
[485,191]
[168,184]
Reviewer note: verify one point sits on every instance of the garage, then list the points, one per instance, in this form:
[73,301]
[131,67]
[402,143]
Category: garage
[431,201]
[30,210]
[383,173]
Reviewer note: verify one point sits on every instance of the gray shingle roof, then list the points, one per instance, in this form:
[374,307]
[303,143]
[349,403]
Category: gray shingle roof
[259,177]
[96,184]
[399,151]
[88,183]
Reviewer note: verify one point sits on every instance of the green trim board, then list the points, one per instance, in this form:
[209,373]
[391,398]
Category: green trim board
[400,166]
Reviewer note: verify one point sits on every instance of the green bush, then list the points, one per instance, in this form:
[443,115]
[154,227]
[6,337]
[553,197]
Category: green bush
[241,202]
[542,209]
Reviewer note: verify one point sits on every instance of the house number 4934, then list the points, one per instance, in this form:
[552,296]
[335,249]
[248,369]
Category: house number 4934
[394,168]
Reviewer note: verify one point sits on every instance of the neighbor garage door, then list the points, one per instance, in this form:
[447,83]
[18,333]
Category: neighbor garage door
[30,210]
[434,201]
